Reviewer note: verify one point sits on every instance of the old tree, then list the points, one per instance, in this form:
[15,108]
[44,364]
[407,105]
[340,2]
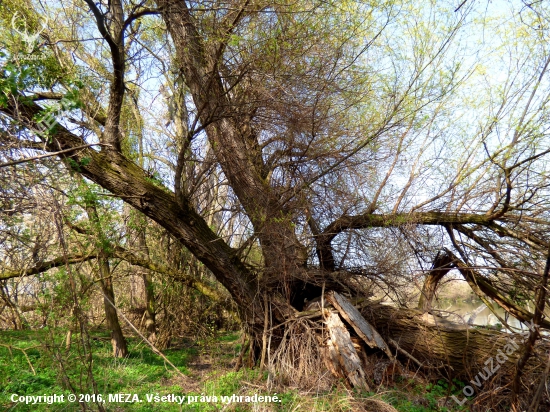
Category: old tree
[301,148]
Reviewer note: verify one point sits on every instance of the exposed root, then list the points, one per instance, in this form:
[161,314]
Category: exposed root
[298,361]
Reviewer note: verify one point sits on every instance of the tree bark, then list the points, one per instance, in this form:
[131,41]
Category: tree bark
[441,266]
[458,350]
[120,348]
[365,331]
[342,353]
[150,314]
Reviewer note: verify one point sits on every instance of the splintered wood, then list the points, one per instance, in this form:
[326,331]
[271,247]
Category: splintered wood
[363,329]
[342,353]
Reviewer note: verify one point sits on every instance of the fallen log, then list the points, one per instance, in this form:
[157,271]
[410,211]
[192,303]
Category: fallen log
[485,360]
[433,342]
[458,350]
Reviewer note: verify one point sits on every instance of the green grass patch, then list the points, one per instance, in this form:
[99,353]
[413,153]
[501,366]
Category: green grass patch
[143,372]
[38,363]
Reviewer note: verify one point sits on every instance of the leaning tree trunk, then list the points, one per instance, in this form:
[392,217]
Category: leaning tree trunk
[441,266]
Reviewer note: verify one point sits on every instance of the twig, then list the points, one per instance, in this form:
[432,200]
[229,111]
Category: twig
[536,399]
[460,6]
[24,353]
[264,334]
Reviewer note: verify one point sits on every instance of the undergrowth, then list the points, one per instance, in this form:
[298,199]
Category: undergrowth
[35,363]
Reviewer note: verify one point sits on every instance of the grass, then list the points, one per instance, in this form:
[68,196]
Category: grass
[142,372]
[410,396]
[207,367]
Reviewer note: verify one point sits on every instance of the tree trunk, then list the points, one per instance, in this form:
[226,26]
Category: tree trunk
[441,266]
[459,351]
[120,349]
[150,314]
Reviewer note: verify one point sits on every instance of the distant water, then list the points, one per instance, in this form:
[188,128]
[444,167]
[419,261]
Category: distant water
[485,317]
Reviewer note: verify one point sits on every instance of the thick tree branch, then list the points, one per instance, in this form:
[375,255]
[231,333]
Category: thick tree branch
[138,14]
[442,264]
[45,266]
[190,281]
[372,220]
[124,178]
[30,159]
[119,253]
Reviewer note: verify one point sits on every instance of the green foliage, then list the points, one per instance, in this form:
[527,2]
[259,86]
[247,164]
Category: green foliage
[289,398]
[88,197]
[230,337]
[144,372]
[518,294]
[140,373]
[409,397]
